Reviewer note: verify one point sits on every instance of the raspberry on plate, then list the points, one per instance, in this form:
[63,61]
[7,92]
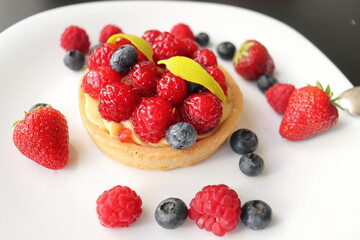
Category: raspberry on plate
[172,88]
[108,31]
[75,38]
[101,56]
[202,110]
[144,77]
[191,47]
[205,57]
[97,78]
[166,46]
[117,101]
[152,118]
[182,30]
[278,96]
[119,206]
[216,208]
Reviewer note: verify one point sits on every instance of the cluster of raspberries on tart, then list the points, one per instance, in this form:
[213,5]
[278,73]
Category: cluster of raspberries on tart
[142,97]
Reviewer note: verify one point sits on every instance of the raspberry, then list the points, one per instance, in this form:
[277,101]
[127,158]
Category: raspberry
[181,31]
[218,75]
[144,76]
[117,101]
[151,35]
[172,88]
[166,46]
[191,47]
[278,96]
[216,208]
[101,56]
[97,78]
[202,110]
[108,31]
[205,57]
[119,206]
[75,38]
[152,118]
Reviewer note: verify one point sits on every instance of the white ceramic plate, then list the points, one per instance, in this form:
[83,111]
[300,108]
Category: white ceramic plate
[312,186]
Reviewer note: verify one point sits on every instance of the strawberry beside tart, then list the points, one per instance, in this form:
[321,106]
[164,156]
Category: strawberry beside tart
[173,112]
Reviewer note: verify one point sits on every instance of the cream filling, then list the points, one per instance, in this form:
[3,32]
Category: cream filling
[113,128]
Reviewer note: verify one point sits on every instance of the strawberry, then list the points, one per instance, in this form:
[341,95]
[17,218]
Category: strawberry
[253,60]
[310,111]
[43,137]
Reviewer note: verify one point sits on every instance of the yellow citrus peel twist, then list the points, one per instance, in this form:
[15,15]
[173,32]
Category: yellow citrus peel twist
[192,71]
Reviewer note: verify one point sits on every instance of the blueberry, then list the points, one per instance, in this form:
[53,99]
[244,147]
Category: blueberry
[251,164]
[171,213]
[39,105]
[202,39]
[194,87]
[124,58]
[265,82]
[256,214]
[226,50]
[181,135]
[243,141]
[74,59]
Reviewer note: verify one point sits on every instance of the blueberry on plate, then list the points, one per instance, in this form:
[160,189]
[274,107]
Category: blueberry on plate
[226,50]
[202,39]
[265,82]
[181,135]
[171,213]
[256,214]
[243,141]
[74,60]
[124,58]
[251,164]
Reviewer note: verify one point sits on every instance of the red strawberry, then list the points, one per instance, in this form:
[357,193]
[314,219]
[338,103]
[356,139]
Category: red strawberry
[253,60]
[310,111]
[43,137]
[278,96]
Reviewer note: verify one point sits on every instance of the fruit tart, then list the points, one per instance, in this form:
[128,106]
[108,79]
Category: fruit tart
[158,103]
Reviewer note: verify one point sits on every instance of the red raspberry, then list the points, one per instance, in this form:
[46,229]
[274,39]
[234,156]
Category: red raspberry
[108,31]
[216,208]
[152,118]
[205,57]
[75,38]
[119,206]
[202,110]
[166,46]
[101,56]
[191,47]
[117,101]
[172,88]
[278,96]
[218,75]
[181,31]
[144,77]
[151,35]
[97,78]
[121,41]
